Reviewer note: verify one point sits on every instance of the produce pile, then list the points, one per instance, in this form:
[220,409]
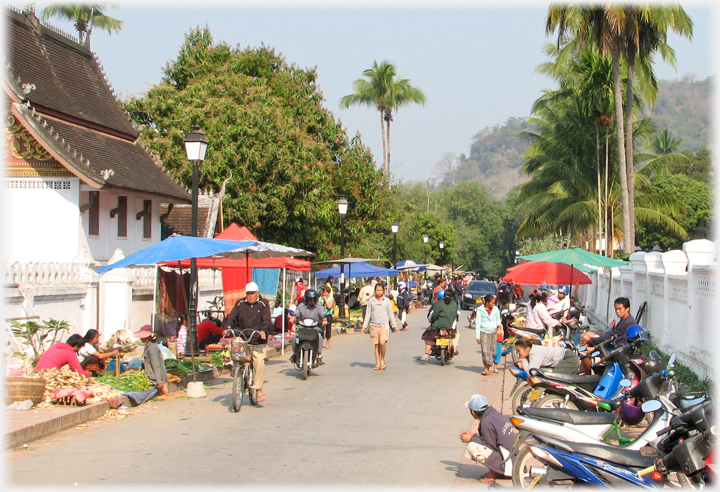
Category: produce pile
[184,367]
[128,382]
[66,378]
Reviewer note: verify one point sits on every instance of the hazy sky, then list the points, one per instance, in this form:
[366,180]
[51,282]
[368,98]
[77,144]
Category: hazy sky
[475,61]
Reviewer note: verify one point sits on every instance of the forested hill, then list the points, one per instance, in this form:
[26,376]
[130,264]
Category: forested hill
[683,108]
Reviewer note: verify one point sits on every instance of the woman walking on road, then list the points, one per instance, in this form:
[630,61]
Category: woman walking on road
[378,316]
[328,303]
[487,325]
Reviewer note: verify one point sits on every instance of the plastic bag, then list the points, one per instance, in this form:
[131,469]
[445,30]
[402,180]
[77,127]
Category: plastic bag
[20,405]
[166,352]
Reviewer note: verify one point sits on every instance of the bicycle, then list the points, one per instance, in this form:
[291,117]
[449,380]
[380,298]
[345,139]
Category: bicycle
[241,353]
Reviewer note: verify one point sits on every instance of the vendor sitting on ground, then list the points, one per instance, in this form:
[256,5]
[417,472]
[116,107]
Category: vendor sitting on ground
[59,354]
[92,358]
[493,441]
[208,332]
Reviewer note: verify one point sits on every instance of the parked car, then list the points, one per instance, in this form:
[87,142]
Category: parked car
[475,291]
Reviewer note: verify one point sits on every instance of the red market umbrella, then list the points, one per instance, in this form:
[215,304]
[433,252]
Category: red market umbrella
[545,272]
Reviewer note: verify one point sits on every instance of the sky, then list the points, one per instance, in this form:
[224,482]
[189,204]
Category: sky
[474,61]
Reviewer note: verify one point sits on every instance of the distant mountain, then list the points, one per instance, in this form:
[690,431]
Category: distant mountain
[496,157]
[684,107]
[496,153]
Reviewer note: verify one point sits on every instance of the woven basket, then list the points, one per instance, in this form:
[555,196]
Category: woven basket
[21,389]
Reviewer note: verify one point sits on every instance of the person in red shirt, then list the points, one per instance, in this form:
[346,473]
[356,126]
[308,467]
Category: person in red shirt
[300,289]
[59,354]
[209,331]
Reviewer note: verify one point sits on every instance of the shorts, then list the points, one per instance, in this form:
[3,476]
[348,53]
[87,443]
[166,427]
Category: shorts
[378,334]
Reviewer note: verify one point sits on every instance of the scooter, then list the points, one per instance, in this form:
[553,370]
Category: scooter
[308,341]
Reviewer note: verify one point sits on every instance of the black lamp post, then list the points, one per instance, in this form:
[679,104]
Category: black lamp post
[442,246]
[195,147]
[426,238]
[394,227]
[342,209]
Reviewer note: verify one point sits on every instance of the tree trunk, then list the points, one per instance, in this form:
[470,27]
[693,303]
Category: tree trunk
[607,179]
[382,134]
[599,227]
[617,88]
[629,146]
[388,150]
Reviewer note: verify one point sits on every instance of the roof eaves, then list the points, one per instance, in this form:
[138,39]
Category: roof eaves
[56,145]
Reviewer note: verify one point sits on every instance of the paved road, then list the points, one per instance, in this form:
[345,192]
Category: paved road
[347,424]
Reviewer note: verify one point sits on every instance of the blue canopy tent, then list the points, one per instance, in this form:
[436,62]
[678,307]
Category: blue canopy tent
[410,266]
[356,270]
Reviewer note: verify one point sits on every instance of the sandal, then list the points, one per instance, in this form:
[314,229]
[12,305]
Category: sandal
[487,479]
[376,368]
[382,367]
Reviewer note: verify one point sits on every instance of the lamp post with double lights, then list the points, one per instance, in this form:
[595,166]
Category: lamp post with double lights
[342,209]
[195,148]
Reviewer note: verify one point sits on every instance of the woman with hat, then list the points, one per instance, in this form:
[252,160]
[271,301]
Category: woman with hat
[153,360]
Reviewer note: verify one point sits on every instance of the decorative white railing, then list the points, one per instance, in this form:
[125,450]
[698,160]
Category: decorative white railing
[41,273]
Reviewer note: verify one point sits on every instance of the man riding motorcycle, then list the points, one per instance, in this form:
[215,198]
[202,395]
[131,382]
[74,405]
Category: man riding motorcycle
[310,308]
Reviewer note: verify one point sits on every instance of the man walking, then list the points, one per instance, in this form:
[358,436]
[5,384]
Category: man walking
[252,313]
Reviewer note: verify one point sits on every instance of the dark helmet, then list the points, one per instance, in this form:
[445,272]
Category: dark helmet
[310,294]
[630,414]
[573,313]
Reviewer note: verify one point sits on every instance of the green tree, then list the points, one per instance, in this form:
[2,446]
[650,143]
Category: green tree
[290,160]
[85,16]
[384,90]
[664,143]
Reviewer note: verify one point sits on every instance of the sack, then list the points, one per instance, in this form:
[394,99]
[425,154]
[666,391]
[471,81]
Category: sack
[499,336]
[394,306]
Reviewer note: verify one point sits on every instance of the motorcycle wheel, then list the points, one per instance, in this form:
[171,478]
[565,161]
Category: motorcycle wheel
[443,356]
[555,401]
[238,387]
[519,396]
[524,461]
[305,363]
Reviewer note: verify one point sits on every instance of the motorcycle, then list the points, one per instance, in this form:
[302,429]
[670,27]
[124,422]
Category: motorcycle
[308,341]
[443,349]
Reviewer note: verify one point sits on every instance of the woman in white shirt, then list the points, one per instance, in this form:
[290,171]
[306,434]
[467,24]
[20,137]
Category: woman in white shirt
[92,358]
[537,316]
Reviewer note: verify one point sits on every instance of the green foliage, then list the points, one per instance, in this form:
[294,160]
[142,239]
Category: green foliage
[290,160]
[128,382]
[698,166]
[85,17]
[694,213]
[548,242]
[38,335]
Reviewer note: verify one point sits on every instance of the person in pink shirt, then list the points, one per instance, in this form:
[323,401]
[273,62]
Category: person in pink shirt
[59,354]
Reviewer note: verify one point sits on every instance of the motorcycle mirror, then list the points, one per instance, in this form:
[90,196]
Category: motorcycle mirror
[595,354]
[582,348]
[625,383]
[651,406]
[672,359]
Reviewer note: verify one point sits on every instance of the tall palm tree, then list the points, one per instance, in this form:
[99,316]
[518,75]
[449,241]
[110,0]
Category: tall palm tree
[645,33]
[85,16]
[383,90]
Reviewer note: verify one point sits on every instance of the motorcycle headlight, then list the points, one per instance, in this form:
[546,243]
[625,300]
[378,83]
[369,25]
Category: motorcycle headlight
[469,296]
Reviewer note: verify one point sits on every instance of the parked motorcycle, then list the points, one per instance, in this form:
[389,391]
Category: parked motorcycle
[308,341]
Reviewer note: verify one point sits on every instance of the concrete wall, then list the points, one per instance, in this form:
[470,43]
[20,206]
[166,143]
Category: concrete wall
[680,289]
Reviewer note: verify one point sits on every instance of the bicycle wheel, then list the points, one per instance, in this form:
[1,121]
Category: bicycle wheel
[249,381]
[238,389]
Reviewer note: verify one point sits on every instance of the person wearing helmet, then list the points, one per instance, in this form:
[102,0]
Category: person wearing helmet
[250,314]
[310,308]
[442,315]
[378,316]
[403,304]
[561,307]
[300,289]
[491,444]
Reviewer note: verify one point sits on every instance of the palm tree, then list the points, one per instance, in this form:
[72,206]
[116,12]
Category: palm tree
[383,90]
[85,16]
[646,33]
[664,143]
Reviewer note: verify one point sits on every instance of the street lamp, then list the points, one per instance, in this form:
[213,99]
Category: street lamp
[426,238]
[394,227]
[195,148]
[442,246]
[342,209]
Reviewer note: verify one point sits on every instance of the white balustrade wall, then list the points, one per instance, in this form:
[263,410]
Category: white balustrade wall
[120,298]
[680,289]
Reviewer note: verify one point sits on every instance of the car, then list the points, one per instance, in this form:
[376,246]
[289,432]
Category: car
[475,291]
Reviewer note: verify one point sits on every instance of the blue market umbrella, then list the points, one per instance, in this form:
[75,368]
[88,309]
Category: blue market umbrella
[410,266]
[357,270]
[176,248]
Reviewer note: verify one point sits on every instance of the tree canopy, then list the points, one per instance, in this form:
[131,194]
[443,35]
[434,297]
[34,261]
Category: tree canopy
[289,159]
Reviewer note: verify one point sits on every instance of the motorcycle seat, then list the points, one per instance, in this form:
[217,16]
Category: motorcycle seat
[535,331]
[605,452]
[575,417]
[574,379]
